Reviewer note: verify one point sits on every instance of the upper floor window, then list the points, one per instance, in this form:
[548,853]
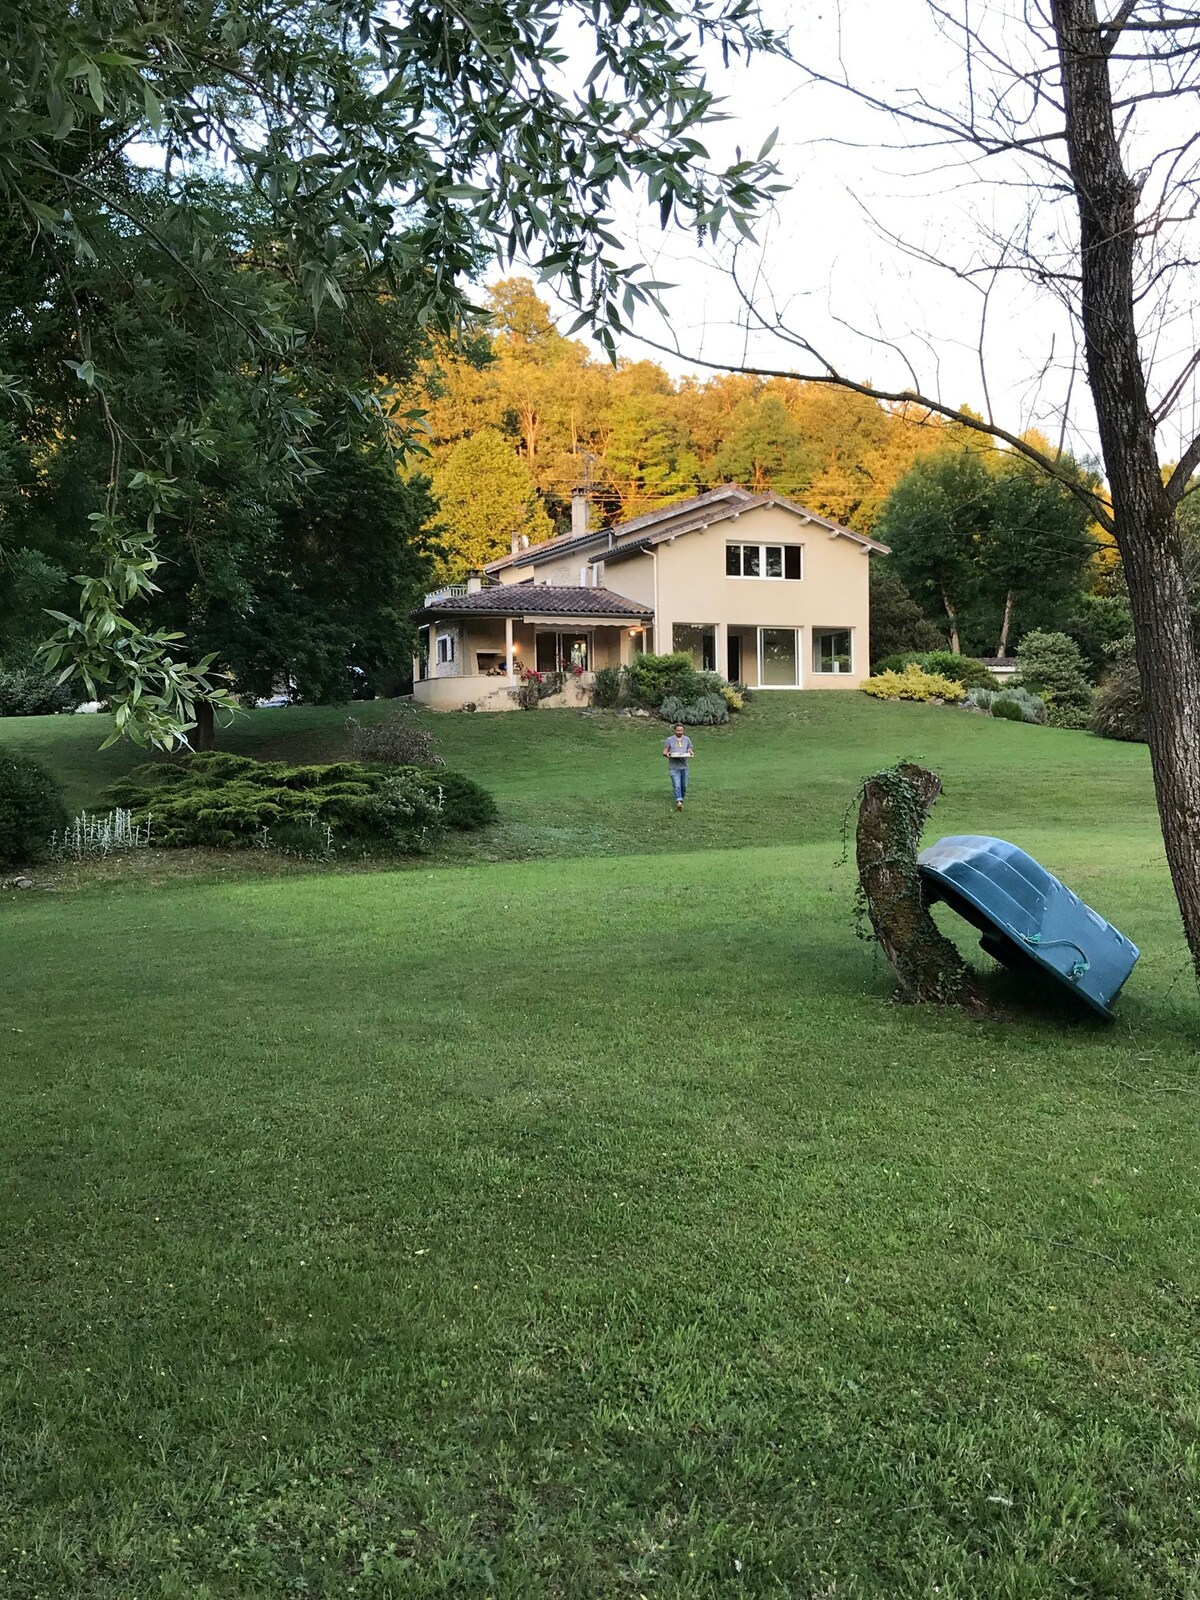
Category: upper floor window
[764,561]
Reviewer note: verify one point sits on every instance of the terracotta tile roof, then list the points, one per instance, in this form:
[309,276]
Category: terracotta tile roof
[549,548]
[535,600]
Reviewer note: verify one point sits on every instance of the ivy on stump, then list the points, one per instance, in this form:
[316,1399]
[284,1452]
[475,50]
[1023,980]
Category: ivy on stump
[894,806]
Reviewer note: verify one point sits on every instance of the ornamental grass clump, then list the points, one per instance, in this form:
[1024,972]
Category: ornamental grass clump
[914,683]
[1118,711]
[607,685]
[708,710]
[90,836]
[232,802]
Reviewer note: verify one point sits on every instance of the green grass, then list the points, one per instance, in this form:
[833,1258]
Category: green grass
[592,1225]
[782,773]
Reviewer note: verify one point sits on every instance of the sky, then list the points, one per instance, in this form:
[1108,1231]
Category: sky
[841,257]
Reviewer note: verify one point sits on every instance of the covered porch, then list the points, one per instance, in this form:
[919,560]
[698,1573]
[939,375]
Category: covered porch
[469,655]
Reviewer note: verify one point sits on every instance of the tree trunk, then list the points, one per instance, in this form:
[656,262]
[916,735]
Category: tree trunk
[1010,601]
[894,808]
[1144,514]
[955,646]
[205,735]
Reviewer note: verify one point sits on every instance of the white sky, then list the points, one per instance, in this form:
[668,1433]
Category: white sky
[822,258]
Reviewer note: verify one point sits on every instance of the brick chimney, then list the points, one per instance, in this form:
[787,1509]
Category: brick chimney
[579,512]
[474,582]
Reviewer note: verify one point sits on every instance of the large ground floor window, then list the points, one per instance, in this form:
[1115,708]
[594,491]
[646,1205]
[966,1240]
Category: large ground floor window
[563,652]
[698,640]
[832,650]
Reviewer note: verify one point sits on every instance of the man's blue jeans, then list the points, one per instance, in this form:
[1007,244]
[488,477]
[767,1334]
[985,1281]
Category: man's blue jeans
[679,777]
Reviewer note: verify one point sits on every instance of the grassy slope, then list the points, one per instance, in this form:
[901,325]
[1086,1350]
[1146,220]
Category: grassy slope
[610,1235]
[783,773]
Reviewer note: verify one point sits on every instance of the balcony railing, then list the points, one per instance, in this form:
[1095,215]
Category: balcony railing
[448,591]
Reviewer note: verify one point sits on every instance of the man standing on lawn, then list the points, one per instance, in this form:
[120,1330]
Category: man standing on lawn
[678,751]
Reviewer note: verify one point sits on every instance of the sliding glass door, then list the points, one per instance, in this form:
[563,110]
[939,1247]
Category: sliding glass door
[779,658]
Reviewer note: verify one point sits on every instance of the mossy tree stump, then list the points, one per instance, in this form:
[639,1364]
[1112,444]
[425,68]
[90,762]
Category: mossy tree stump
[894,807]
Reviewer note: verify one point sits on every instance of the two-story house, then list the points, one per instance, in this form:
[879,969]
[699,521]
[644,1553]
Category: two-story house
[751,585]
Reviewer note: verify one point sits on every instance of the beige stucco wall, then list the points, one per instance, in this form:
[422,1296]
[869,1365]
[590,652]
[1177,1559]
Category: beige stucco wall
[633,579]
[451,694]
[693,588]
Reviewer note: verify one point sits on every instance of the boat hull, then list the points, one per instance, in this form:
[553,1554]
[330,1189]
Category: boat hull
[1027,917]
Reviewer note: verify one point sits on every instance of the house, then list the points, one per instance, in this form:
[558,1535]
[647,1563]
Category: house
[750,585]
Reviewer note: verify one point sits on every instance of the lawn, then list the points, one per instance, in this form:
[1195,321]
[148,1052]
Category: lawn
[585,1222]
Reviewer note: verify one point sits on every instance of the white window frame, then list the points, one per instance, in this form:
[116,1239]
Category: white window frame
[762,576]
[446,657]
[821,672]
[758,642]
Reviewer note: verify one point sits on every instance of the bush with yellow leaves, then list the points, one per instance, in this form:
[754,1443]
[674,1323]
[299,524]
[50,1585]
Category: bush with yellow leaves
[914,683]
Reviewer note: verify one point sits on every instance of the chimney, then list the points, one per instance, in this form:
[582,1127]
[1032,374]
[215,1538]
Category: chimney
[474,582]
[516,543]
[579,512]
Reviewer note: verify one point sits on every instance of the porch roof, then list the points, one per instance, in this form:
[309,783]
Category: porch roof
[530,601]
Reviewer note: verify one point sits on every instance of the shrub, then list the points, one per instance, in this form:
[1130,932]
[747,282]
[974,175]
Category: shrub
[1050,665]
[1015,705]
[966,670]
[606,687]
[466,805]
[1007,711]
[1118,713]
[400,741]
[914,683]
[653,679]
[733,698]
[972,674]
[404,811]
[26,692]
[706,709]
[233,801]
[31,809]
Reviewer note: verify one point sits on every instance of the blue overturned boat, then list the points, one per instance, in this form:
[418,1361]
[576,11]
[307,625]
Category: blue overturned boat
[1027,917]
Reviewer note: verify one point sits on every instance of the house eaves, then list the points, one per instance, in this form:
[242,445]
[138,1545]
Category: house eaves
[564,543]
[728,513]
[533,602]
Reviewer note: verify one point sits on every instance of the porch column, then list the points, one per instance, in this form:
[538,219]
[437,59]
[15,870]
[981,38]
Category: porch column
[508,649]
[721,648]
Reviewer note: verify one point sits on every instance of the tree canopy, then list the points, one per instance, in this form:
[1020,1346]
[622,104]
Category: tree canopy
[380,152]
